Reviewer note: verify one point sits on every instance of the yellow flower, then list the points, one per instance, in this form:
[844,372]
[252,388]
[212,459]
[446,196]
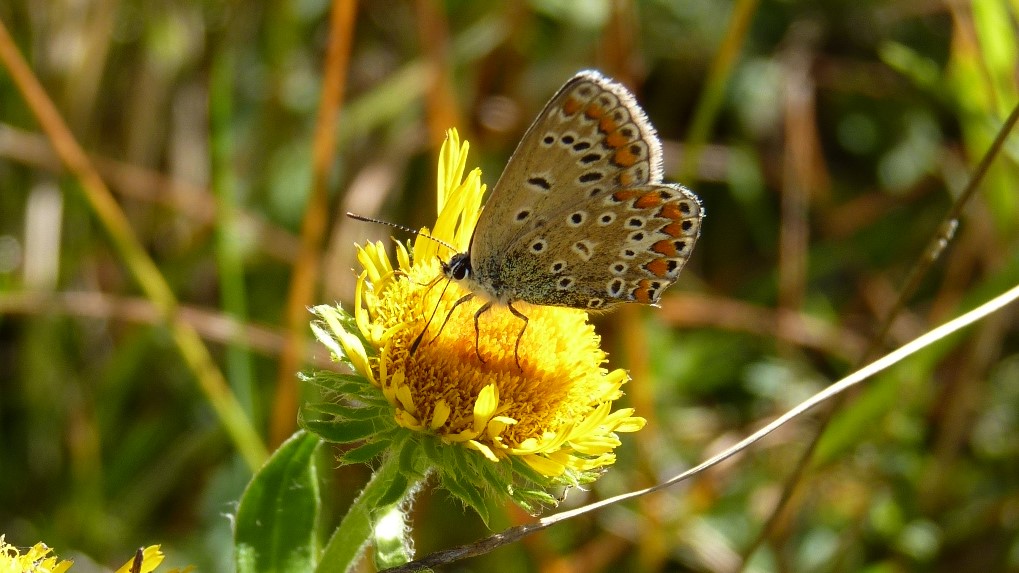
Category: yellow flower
[553,412]
[38,560]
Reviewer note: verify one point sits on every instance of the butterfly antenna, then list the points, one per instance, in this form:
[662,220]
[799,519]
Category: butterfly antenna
[402,228]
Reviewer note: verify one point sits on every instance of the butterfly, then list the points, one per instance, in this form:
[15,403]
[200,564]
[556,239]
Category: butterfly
[580,217]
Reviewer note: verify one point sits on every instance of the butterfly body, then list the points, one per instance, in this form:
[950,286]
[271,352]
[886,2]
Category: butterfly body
[580,217]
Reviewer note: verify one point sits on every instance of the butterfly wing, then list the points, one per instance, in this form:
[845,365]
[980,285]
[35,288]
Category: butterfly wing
[580,216]
[626,246]
[590,140]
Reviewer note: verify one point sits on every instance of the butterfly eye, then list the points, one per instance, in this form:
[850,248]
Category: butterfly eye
[459,267]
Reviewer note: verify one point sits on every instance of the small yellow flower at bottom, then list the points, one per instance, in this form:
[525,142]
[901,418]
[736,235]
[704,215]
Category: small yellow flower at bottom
[36,559]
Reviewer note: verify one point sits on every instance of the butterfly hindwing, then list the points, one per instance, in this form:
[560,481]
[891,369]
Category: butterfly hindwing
[627,246]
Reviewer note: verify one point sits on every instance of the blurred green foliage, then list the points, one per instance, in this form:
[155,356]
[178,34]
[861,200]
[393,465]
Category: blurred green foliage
[845,131]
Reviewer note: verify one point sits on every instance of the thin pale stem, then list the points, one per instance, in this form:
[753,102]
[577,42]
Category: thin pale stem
[348,541]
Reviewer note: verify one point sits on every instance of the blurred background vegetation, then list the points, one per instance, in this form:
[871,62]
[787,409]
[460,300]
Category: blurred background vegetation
[827,140]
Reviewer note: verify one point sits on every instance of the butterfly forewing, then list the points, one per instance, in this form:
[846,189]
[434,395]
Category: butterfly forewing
[589,140]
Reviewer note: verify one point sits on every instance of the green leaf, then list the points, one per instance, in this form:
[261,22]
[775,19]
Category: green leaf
[341,431]
[347,411]
[345,384]
[277,520]
[365,453]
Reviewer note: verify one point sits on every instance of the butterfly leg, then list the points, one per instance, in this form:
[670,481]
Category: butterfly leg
[477,330]
[459,301]
[516,348]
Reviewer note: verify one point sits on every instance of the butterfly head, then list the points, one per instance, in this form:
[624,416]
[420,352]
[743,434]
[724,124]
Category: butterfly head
[458,268]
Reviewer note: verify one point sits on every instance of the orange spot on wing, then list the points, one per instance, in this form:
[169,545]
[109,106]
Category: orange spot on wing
[665,247]
[571,106]
[648,200]
[607,124]
[658,267]
[594,111]
[670,211]
[643,291]
[624,158]
[673,229]
[625,195]
[615,140]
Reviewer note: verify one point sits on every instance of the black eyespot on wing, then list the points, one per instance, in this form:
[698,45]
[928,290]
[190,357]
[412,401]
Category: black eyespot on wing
[540,182]
[590,177]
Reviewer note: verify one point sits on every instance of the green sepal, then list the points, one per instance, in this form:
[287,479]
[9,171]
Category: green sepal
[396,491]
[341,431]
[364,453]
[468,495]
